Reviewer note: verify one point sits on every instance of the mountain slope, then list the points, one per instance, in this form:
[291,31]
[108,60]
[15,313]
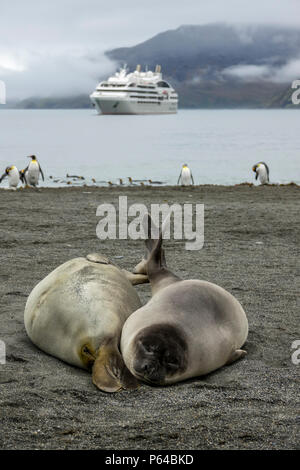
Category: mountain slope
[214,45]
[219,64]
[284,99]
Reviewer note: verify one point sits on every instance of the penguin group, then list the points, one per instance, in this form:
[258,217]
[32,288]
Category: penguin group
[145,182]
[261,170]
[186,178]
[28,176]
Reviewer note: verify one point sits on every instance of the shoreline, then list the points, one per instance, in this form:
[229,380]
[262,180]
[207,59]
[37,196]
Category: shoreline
[137,187]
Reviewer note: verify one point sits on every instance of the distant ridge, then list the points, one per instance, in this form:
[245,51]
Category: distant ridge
[68,102]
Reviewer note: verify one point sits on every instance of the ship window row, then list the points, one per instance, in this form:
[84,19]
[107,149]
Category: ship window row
[112,85]
[145,86]
[118,85]
[149,102]
[160,84]
[109,89]
[149,92]
[159,98]
[145,96]
[135,91]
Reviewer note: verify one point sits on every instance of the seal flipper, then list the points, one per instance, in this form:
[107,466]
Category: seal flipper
[135,278]
[155,264]
[109,371]
[235,355]
[152,235]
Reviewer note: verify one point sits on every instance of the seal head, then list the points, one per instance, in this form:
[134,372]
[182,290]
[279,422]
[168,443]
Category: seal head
[160,352]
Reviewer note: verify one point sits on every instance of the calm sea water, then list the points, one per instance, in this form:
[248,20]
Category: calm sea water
[220,146]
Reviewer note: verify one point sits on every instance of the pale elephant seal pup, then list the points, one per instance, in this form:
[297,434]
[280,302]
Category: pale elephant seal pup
[188,328]
[77,312]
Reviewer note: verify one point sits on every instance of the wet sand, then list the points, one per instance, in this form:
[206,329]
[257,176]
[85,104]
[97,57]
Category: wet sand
[250,249]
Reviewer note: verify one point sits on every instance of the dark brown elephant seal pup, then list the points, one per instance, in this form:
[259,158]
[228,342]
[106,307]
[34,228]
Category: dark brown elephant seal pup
[188,328]
[76,313]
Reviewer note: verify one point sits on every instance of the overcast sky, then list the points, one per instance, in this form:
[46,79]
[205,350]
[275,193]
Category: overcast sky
[49,46]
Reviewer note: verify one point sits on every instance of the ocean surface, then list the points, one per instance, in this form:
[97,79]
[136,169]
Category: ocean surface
[220,146]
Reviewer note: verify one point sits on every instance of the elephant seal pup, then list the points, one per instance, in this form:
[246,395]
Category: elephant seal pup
[76,313]
[187,329]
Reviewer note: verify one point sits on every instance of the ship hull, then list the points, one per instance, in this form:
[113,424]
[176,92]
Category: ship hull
[122,106]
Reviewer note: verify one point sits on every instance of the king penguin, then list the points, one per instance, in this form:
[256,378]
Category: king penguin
[185,176]
[33,171]
[23,175]
[261,170]
[13,176]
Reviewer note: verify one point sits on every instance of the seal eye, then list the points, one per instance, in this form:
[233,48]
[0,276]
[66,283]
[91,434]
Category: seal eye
[171,363]
[147,348]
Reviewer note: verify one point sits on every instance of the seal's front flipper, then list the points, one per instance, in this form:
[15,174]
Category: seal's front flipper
[235,355]
[128,381]
[135,279]
[109,371]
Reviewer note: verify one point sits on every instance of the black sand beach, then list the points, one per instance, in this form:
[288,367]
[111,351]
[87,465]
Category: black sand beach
[251,247]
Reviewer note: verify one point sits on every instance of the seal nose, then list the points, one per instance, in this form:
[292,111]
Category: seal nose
[147,368]
[144,367]
[150,371]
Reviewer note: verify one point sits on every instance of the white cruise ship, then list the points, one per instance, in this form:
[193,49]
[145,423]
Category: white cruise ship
[135,93]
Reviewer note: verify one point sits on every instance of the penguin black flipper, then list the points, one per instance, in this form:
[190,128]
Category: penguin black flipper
[179,178]
[256,175]
[192,178]
[3,176]
[268,171]
[41,171]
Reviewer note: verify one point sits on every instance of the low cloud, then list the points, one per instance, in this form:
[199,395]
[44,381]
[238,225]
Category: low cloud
[247,73]
[251,73]
[289,72]
[47,75]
